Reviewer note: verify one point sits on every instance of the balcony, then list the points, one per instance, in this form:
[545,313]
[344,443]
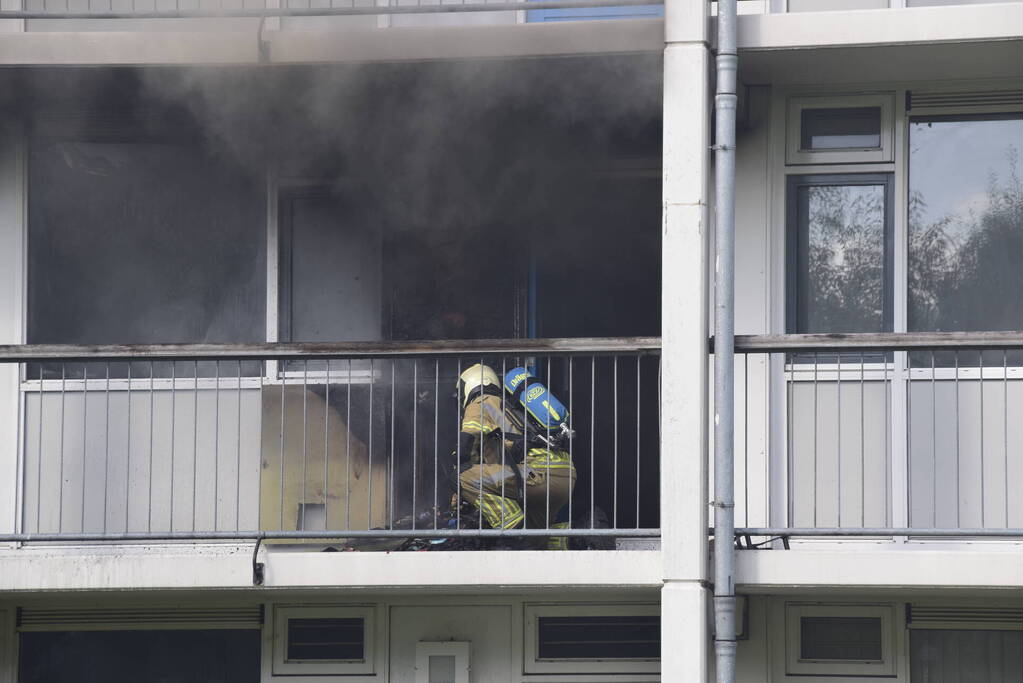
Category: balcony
[896,438]
[347,447]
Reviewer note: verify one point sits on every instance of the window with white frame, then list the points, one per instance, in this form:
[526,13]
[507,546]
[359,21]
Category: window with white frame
[323,640]
[846,129]
[839,640]
[592,639]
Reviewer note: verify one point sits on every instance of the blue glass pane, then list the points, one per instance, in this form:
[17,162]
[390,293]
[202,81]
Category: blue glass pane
[585,13]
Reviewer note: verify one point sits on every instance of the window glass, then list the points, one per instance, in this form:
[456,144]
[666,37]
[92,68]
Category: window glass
[142,242]
[610,637]
[965,231]
[840,128]
[965,224]
[840,638]
[840,254]
[960,656]
[226,656]
[339,639]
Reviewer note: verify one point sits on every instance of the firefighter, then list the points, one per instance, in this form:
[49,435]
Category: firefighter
[517,484]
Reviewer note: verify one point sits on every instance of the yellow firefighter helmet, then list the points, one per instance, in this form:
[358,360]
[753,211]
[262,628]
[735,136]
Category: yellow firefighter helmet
[474,378]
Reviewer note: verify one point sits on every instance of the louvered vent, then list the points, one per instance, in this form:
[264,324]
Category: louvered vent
[990,98]
[140,617]
[922,616]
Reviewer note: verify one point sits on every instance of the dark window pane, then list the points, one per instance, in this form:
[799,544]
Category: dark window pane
[226,656]
[634,637]
[965,228]
[326,639]
[142,242]
[840,638]
[841,256]
[840,128]
[965,656]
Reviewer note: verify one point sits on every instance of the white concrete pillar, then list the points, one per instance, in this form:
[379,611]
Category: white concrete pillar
[684,497]
[12,288]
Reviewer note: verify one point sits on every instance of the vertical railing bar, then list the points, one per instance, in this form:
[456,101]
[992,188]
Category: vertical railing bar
[983,502]
[816,406]
[934,442]
[549,449]
[571,441]
[436,438]
[415,441]
[195,441]
[238,457]
[85,422]
[152,420]
[745,435]
[326,447]
[1005,430]
[216,445]
[106,445]
[838,430]
[614,407]
[127,466]
[888,443]
[369,447]
[39,458]
[174,403]
[908,382]
[459,404]
[863,450]
[958,498]
[259,476]
[305,441]
[790,504]
[525,444]
[348,450]
[639,394]
[480,492]
[60,503]
[504,373]
[593,424]
[390,466]
[282,372]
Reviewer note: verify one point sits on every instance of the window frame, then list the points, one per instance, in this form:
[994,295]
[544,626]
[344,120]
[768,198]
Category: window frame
[284,613]
[794,293]
[531,644]
[794,666]
[796,155]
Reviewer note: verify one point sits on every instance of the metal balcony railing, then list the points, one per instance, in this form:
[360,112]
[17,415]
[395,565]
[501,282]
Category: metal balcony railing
[340,443]
[886,435]
[261,9]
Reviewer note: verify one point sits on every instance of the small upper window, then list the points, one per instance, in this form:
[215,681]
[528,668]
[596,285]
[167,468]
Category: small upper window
[839,640]
[323,640]
[840,130]
[592,639]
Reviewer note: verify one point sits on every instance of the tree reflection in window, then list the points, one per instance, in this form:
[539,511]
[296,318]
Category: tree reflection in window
[840,239]
[965,227]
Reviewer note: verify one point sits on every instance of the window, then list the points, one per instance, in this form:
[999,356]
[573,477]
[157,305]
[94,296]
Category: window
[592,638]
[230,656]
[840,253]
[850,129]
[965,223]
[835,640]
[323,640]
[142,240]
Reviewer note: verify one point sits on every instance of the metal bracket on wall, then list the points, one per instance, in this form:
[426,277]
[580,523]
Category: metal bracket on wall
[257,567]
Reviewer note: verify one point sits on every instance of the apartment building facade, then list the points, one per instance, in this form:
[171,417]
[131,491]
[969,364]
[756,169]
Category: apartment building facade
[247,257]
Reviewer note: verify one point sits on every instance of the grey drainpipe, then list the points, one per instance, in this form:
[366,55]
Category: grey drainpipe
[724,344]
